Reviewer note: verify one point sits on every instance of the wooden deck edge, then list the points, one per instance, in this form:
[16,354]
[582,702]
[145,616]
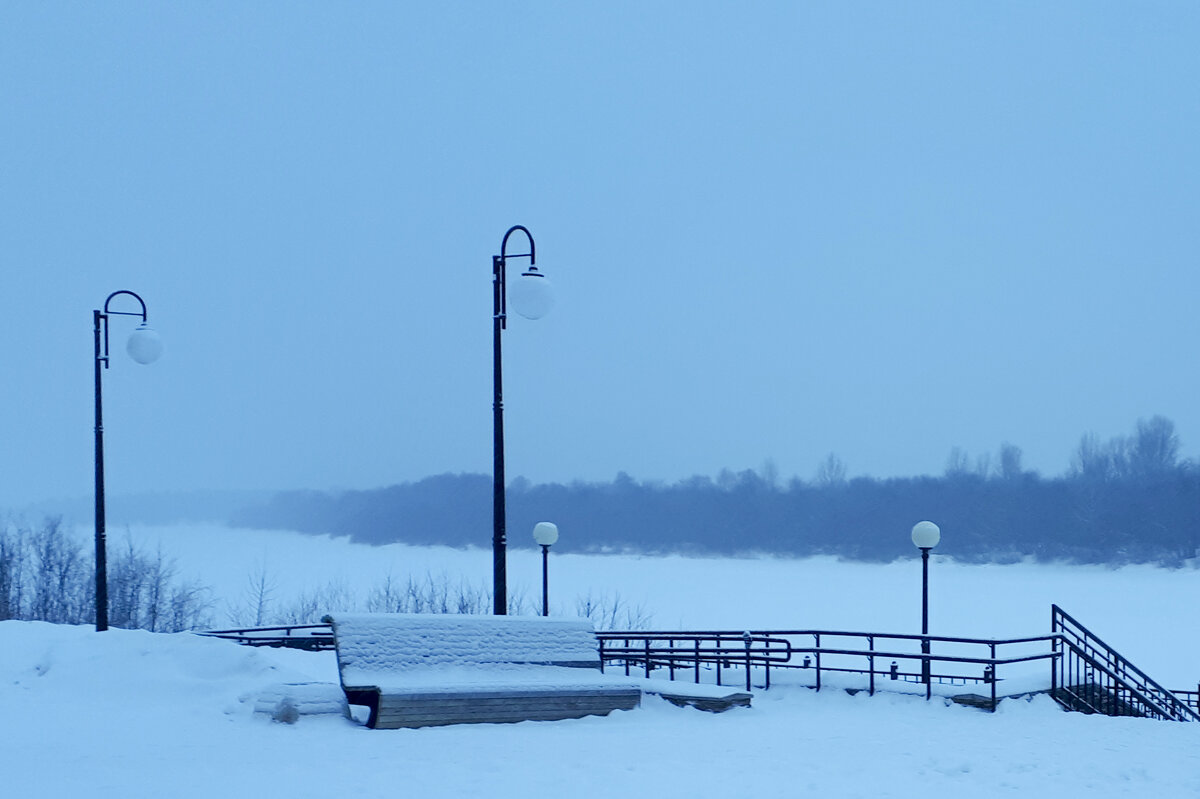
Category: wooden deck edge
[403,711]
[415,709]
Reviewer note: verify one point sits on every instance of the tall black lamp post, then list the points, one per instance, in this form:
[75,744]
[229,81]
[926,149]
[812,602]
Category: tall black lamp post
[532,299]
[925,536]
[144,346]
[545,534]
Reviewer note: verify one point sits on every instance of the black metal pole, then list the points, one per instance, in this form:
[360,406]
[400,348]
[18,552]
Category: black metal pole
[545,579]
[499,321]
[925,613]
[499,568]
[100,338]
[101,545]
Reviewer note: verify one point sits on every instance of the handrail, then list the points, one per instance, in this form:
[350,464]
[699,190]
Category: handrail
[744,648]
[1189,696]
[260,636]
[1094,652]
[679,649]
[1116,678]
[654,634]
[286,627]
[1087,636]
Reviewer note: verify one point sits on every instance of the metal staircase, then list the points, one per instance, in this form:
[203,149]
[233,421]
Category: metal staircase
[1090,676]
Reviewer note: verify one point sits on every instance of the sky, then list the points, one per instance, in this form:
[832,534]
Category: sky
[774,232]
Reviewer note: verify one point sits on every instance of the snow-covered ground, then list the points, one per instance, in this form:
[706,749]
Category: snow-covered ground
[132,714]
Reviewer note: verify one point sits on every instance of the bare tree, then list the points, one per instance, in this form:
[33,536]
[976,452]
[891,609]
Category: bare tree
[1154,451]
[12,573]
[1010,461]
[612,612]
[435,594]
[958,463]
[1093,460]
[770,473]
[257,596]
[310,606]
[59,575]
[831,472]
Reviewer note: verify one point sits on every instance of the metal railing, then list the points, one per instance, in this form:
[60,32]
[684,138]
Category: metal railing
[691,651]
[1095,678]
[893,657]
[311,637]
[1086,673]
[1189,698]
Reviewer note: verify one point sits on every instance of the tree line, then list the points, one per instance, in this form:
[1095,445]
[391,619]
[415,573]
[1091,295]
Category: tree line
[47,575]
[1129,499]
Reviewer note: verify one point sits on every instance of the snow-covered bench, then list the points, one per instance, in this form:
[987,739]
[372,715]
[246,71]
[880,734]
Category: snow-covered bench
[421,670]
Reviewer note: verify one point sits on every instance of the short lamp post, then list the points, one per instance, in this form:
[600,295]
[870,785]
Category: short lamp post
[545,533]
[532,299]
[144,346]
[925,536]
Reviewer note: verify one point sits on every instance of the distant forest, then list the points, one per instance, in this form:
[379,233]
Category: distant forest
[1126,500]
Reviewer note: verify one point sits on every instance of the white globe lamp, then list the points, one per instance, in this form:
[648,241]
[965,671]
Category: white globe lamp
[925,535]
[144,345]
[531,295]
[545,533]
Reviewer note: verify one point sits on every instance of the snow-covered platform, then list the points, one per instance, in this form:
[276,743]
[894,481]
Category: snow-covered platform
[419,670]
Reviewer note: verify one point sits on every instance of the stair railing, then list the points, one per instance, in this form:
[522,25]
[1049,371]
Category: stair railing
[1094,677]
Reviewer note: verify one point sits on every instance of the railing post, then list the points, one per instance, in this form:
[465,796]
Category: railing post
[992,675]
[817,640]
[1054,655]
[746,640]
[767,664]
[601,655]
[1117,682]
[871,662]
[926,676]
[697,643]
[647,658]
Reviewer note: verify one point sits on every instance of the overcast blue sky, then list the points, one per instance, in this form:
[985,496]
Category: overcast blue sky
[775,230]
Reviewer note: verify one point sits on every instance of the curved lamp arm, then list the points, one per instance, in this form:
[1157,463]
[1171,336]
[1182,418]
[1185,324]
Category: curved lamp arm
[532,254]
[532,294]
[144,345]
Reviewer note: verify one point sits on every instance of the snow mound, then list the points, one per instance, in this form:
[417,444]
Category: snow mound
[287,702]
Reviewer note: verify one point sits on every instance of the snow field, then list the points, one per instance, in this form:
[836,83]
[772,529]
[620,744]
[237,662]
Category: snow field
[134,714]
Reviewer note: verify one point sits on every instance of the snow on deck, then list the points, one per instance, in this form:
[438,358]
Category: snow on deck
[428,648]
